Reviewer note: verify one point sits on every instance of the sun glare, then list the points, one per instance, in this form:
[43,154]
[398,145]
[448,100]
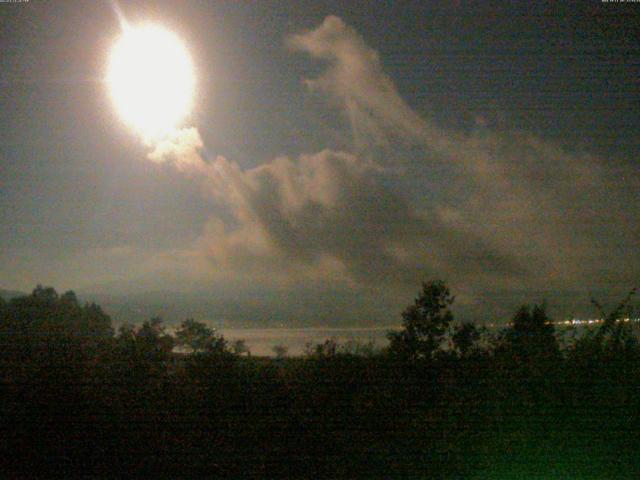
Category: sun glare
[152,80]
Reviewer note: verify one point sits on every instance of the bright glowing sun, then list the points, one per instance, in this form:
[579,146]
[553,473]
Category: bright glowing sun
[152,80]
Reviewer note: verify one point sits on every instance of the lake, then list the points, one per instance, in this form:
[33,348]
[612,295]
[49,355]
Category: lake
[262,340]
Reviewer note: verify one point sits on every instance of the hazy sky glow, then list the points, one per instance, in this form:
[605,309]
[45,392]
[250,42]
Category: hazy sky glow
[333,159]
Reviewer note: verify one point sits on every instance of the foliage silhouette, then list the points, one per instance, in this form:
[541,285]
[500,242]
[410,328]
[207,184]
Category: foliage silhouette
[425,323]
[196,336]
[531,336]
[78,400]
[465,339]
[240,347]
[280,350]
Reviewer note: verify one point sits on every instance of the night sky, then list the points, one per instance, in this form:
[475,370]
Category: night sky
[339,153]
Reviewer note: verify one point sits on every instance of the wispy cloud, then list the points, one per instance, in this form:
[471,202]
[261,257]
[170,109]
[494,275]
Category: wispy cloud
[354,77]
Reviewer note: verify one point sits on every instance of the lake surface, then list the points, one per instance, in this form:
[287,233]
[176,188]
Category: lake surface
[262,340]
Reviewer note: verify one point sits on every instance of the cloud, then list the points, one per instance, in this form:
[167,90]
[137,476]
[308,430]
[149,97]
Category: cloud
[329,215]
[182,147]
[489,211]
[355,79]
[554,211]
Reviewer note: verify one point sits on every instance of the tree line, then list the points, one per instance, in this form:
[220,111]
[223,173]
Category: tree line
[445,399]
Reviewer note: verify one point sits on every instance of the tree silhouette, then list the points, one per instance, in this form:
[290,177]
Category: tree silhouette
[465,338]
[328,348]
[196,336]
[32,322]
[152,333]
[280,350]
[613,338]
[531,335]
[615,334]
[130,401]
[239,347]
[425,323]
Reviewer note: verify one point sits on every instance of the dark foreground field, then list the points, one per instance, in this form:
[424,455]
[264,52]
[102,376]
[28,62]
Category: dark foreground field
[77,400]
